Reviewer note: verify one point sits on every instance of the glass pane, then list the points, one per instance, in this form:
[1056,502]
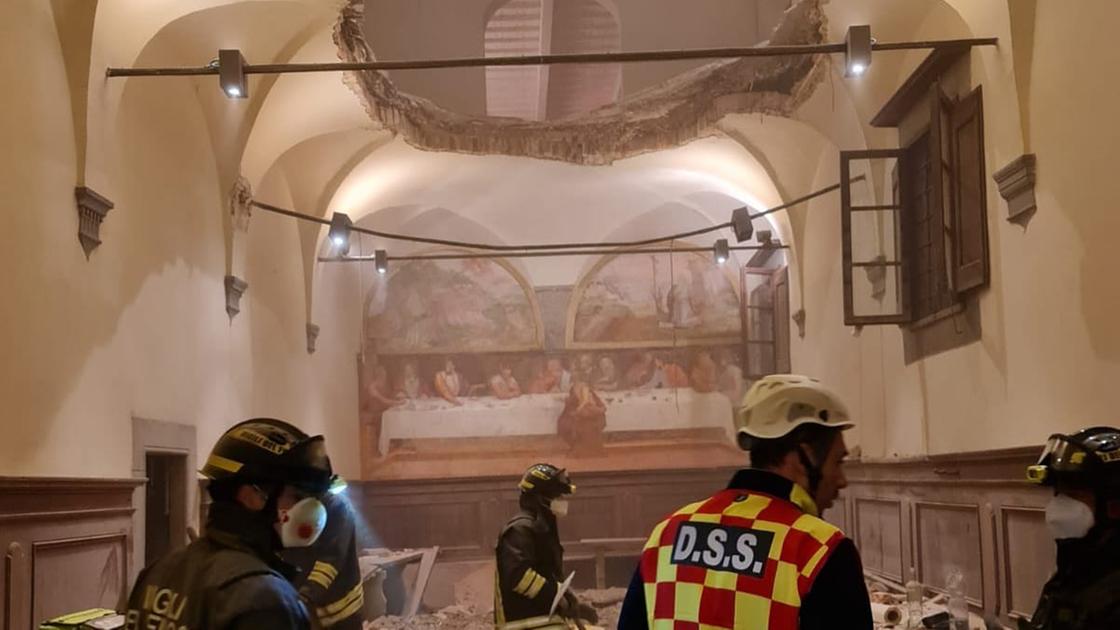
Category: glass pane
[760,324]
[760,359]
[875,236]
[876,290]
[757,291]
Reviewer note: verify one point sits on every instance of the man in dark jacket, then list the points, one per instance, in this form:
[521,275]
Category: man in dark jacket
[757,554]
[530,558]
[331,579]
[1084,517]
[265,479]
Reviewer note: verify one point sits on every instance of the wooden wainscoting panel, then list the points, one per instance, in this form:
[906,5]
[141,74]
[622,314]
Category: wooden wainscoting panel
[838,515]
[465,515]
[1028,554]
[89,569]
[16,587]
[67,545]
[589,517]
[879,535]
[444,524]
[948,536]
[653,508]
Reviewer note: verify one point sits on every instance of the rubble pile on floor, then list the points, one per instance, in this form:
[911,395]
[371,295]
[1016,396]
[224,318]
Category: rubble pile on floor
[608,603]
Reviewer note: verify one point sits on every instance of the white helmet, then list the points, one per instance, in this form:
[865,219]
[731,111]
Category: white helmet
[779,403]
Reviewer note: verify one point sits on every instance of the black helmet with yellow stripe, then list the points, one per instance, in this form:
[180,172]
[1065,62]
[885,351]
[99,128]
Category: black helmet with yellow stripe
[266,450]
[546,481]
[1087,459]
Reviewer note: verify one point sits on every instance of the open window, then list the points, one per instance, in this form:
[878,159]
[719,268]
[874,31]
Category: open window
[765,321]
[916,258]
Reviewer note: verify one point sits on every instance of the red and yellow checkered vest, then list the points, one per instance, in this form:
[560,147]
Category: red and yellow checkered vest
[740,559]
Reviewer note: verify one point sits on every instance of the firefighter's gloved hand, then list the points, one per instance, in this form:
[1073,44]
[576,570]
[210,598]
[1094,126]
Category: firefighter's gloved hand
[572,608]
[587,613]
[565,608]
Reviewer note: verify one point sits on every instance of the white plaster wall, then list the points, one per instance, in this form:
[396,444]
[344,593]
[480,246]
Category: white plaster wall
[140,329]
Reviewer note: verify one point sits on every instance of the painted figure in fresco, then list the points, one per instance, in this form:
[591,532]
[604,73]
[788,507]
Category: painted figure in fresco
[641,372]
[669,374]
[584,371]
[379,398]
[503,385]
[541,381]
[608,375]
[583,420]
[562,375]
[411,387]
[730,377]
[449,383]
[704,375]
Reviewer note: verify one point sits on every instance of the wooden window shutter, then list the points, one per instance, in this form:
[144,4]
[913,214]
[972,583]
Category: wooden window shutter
[873,257]
[970,215]
[942,176]
[780,282]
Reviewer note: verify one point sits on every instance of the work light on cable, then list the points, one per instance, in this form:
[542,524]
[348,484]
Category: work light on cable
[721,251]
[231,73]
[339,232]
[857,50]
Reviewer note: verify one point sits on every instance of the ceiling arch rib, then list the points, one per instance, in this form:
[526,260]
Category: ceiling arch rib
[300,107]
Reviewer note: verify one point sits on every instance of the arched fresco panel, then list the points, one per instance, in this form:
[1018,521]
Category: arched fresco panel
[655,299]
[450,306]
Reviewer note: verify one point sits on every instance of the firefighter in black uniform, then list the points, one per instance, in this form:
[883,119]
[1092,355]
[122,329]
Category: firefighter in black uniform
[530,558]
[266,477]
[1084,517]
[331,580]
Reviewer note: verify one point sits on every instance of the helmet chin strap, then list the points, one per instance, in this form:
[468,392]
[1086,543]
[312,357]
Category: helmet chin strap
[812,470]
[270,513]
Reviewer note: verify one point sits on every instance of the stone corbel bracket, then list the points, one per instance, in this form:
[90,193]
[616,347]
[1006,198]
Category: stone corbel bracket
[799,319]
[92,209]
[241,204]
[235,288]
[312,337]
[1016,186]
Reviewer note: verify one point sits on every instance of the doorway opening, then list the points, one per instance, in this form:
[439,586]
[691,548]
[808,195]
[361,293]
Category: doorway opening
[165,519]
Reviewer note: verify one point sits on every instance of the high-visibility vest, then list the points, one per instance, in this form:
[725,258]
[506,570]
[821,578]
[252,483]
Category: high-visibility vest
[740,559]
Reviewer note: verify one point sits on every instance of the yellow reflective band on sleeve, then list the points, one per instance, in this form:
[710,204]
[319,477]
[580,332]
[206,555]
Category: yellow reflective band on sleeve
[527,580]
[228,465]
[535,589]
[337,611]
[325,568]
[320,579]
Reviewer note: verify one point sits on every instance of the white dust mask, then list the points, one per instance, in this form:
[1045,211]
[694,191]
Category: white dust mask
[301,525]
[1068,518]
[559,507]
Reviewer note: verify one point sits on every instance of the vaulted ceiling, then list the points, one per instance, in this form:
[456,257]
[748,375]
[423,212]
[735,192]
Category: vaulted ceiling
[316,136]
